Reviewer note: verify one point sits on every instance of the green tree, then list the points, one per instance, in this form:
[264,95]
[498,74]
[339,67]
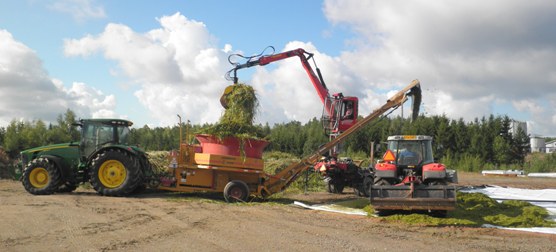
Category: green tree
[501,149]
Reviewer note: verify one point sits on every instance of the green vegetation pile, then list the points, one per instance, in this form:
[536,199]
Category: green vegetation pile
[237,120]
[276,161]
[477,209]
[159,161]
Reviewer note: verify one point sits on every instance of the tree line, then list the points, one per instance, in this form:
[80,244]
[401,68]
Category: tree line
[483,142]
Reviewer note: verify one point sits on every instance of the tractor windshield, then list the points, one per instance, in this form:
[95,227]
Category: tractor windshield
[411,152]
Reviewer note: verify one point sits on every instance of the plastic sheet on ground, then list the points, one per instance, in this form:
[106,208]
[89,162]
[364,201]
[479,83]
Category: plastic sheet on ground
[545,198]
[332,208]
[542,175]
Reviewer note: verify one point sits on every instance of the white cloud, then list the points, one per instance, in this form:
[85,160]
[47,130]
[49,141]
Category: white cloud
[28,93]
[528,106]
[80,10]
[474,54]
[178,67]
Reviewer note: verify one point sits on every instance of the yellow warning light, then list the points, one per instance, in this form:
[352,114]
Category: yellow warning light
[410,137]
[389,156]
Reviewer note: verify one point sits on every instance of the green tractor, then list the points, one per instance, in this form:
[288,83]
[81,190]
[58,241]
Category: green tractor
[103,157]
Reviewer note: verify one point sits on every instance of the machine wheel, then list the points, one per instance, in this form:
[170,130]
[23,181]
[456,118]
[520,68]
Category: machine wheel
[236,191]
[41,177]
[67,187]
[115,173]
[335,186]
[327,181]
[367,183]
[357,192]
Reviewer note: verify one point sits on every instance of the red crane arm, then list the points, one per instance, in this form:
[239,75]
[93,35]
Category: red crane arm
[304,57]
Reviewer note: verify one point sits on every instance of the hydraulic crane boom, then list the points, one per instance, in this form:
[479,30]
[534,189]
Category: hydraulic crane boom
[304,57]
[339,111]
[280,181]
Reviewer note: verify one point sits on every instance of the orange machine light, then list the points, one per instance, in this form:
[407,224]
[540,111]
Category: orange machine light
[389,156]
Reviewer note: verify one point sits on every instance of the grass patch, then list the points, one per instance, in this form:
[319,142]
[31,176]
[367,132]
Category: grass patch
[476,209]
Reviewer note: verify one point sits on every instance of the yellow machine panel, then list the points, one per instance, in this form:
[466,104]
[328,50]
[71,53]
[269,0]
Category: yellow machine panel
[198,177]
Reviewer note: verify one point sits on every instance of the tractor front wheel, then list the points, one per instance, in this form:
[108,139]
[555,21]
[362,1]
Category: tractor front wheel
[41,177]
[236,191]
[115,173]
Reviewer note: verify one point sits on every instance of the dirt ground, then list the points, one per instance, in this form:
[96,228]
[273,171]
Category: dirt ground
[161,221]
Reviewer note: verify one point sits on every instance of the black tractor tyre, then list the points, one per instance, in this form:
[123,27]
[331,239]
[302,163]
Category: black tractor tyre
[335,186]
[367,184]
[115,172]
[41,177]
[359,190]
[236,191]
[356,191]
[327,184]
[67,187]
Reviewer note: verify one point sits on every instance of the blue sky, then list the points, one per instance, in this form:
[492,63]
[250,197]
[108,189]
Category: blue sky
[148,61]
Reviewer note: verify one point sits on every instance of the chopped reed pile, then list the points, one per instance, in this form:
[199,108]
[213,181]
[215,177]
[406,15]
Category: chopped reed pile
[238,118]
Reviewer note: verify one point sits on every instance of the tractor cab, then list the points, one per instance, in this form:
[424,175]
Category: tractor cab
[411,150]
[97,133]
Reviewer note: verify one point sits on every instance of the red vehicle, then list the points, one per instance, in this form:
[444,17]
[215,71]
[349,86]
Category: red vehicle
[408,178]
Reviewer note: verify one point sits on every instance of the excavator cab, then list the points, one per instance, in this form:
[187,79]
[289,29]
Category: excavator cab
[340,115]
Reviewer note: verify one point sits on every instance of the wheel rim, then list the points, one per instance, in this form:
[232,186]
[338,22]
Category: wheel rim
[236,193]
[39,177]
[112,173]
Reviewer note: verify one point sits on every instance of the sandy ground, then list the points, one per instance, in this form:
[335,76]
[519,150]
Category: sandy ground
[160,221]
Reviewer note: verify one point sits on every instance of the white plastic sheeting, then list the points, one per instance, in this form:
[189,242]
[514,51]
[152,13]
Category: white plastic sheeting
[332,208]
[542,175]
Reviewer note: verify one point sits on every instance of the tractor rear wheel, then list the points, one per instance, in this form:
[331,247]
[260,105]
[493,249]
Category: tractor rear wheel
[236,191]
[41,177]
[115,173]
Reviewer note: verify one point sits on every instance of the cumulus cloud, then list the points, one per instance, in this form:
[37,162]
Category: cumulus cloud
[80,10]
[471,54]
[178,68]
[27,92]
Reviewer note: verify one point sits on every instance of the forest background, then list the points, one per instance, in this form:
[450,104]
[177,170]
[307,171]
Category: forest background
[482,144]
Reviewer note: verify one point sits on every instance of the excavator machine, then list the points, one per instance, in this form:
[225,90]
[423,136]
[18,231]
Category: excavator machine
[392,184]
[339,114]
